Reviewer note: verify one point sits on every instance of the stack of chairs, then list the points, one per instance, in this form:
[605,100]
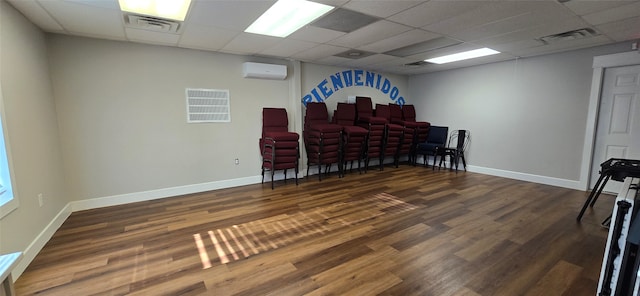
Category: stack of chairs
[421,131]
[323,140]
[394,135]
[376,128]
[414,132]
[279,148]
[354,138]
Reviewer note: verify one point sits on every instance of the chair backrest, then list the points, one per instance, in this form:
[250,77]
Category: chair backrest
[316,113]
[438,135]
[460,138]
[395,112]
[383,111]
[409,113]
[364,107]
[274,120]
[345,114]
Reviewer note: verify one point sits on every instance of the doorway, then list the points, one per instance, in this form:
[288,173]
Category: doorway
[618,122]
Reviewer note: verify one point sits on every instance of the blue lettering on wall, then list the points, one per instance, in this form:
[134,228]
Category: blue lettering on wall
[349,78]
[337,82]
[323,88]
[358,75]
[368,80]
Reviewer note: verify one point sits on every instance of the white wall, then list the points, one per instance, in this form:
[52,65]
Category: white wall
[526,116]
[32,127]
[122,116]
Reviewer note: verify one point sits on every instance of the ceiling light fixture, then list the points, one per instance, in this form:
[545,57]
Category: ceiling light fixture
[465,55]
[287,16]
[167,9]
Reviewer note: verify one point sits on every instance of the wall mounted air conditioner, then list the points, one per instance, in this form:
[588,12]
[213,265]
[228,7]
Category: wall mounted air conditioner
[264,71]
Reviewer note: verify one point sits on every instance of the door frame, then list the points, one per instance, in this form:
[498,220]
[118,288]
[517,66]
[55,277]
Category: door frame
[600,64]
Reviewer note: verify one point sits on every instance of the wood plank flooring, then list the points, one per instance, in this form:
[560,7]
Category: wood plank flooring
[401,231]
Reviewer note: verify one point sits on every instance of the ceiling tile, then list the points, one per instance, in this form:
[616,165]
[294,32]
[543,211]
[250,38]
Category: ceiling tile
[380,8]
[627,29]
[562,46]
[146,36]
[202,37]
[587,7]
[370,60]
[86,20]
[614,14]
[400,40]
[371,33]
[231,15]
[542,13]
[315,34]
[248,43]
[288,47]
[434,11]
[543,29]
[344,20]
[37,15]
[319,52]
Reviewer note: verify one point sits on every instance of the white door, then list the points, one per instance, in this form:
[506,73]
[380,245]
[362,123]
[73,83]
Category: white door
[618,130]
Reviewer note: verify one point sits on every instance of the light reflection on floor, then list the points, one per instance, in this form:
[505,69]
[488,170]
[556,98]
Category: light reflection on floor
[250,238]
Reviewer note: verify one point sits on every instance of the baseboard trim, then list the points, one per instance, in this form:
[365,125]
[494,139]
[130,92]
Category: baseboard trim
[121,199]
[37,244]
[571,184]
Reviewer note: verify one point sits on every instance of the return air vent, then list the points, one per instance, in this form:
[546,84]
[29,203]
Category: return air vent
[208,105]
[151,23]
[570,35]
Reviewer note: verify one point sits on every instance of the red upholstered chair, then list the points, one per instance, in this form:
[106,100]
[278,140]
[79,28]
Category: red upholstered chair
[354,138]
[323,140]
[376,128]
[415,132]
[278,146]
[395,142]
[421,128]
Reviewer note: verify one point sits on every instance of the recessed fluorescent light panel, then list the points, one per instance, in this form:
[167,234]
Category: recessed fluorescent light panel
[287,16]
[465,55]
[167,9]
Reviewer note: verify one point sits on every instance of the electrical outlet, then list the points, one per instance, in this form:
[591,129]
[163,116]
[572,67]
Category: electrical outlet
[237,161]
[40,199]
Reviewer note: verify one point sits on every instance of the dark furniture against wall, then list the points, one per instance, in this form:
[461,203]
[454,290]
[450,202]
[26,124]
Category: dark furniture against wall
[279,147]
[354,138]
[414,132]
[322,139]
[437,139]
[374,125]
[421,128]
[394,135]
[458,142]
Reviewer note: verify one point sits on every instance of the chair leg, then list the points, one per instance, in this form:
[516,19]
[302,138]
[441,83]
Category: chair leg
[594,193]
[262,175]
[285,176]
[464,163]
[272,172]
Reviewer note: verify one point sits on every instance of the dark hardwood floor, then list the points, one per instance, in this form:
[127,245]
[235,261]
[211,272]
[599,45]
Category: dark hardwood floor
[401,231]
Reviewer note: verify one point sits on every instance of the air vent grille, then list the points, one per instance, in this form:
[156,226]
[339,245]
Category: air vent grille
[151,23]
[208,105]
[569,35]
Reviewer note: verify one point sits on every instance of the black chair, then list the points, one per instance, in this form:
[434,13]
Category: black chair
[437,139]
[461,139]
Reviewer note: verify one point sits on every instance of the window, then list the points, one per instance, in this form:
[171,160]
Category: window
[8,202]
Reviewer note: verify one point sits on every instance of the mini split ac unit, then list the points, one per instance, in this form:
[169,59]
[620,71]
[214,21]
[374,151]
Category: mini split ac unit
[264,71]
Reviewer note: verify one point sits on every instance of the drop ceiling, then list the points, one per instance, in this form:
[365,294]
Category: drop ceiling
[390,36]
